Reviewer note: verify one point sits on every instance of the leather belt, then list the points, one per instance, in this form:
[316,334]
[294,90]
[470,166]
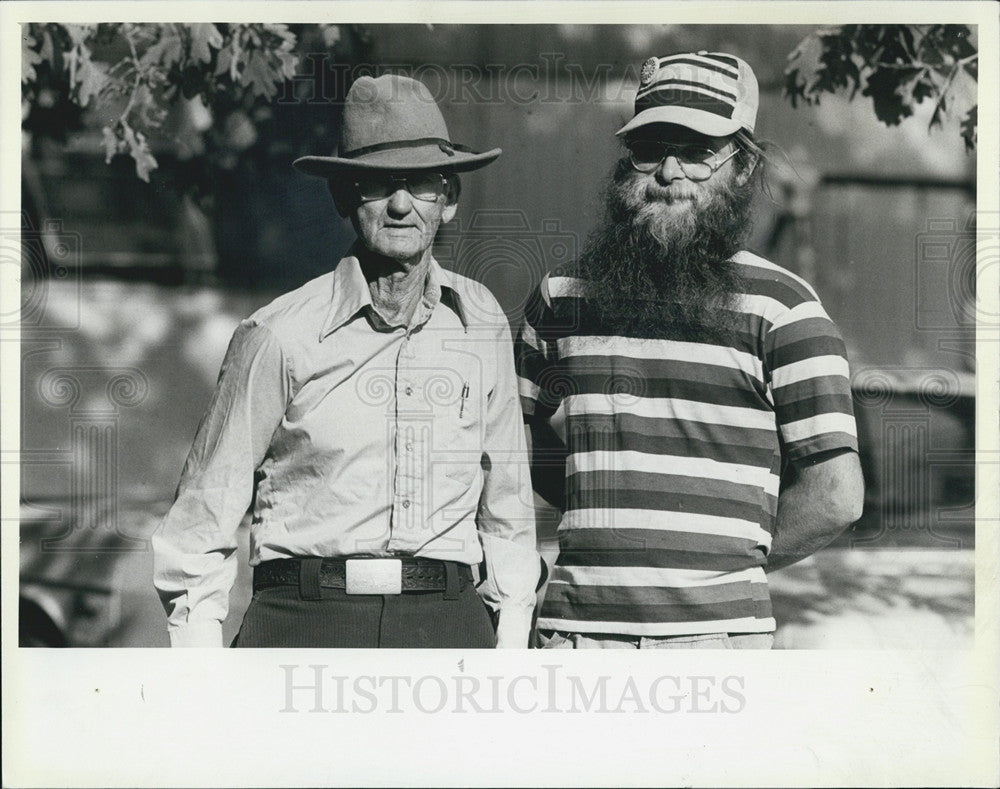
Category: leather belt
[416,574]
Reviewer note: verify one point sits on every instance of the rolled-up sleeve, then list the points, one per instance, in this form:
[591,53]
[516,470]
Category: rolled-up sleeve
[506,519]
[194,548]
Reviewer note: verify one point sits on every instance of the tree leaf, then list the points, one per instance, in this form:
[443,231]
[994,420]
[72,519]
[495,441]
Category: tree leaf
[166,52]
[281,31]
[969,128]
[78,34]
[331,34]
[110,142]
[29,58]
[838,69]
[260,77]
[234,65]
[924,88]
[954,39]
[137,148]
[224,61]
[204,38]
[802,68]
[897,66]
[48,50]
[890,106]
[289,63]
[147,108]
[91,78]
[911,85]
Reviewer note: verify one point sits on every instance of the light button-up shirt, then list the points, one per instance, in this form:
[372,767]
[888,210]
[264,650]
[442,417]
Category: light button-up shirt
[351,437]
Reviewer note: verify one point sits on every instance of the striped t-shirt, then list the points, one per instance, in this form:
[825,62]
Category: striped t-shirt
[675,451]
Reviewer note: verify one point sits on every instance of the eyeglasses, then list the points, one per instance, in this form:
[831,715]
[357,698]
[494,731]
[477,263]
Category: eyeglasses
[422,186]
[695,160]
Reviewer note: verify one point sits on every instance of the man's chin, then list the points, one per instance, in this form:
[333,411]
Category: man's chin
[677,204]
[670,220]
[401,250]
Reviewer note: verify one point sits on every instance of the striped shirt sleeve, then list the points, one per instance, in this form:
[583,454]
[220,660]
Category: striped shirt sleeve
[535,355]
[806,361]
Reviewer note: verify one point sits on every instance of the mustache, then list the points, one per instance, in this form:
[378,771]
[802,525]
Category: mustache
[668,193]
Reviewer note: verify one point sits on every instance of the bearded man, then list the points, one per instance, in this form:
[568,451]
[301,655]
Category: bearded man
[702,392]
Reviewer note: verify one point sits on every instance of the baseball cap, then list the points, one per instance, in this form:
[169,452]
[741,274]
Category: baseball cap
[711,92]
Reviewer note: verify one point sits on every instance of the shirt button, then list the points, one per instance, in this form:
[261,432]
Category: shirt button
[409,446]
[406,504]
[409,391]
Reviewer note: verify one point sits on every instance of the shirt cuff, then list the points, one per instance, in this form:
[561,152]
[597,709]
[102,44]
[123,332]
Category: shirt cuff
[513,627]
[511,573]
[197,634]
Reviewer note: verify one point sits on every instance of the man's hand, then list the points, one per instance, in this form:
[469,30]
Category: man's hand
[822,499]
[513,629]
[200,634]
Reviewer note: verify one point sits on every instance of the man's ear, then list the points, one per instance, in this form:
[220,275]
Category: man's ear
[748,166]
[453,189]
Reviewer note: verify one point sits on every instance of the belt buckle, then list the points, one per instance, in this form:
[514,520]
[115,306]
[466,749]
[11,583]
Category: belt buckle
[374,576]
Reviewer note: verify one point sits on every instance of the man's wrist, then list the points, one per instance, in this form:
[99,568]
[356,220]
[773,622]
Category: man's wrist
[514,627]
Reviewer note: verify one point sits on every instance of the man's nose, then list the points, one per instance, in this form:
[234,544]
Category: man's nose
[400,202]
[670,169]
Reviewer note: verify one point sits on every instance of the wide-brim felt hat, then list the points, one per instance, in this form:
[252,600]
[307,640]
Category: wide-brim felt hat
[393,123]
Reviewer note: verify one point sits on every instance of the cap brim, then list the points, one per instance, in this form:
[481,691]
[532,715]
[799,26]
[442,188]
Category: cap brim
[700,121]
[396,159]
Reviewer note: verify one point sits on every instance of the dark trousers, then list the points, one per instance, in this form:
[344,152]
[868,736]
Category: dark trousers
[279,616]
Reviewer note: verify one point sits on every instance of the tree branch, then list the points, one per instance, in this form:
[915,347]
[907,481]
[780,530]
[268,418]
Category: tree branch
[138,81]
[939,107]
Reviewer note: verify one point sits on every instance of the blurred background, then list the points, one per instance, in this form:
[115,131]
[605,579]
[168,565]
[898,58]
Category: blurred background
[159,207]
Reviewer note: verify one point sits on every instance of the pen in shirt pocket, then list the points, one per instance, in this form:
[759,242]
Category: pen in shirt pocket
[465,396]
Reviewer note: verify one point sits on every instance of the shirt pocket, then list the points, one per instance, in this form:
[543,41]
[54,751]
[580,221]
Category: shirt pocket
[458,429]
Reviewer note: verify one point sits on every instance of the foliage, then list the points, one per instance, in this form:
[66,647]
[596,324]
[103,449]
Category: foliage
[897,66]
[132,76]
[210,92]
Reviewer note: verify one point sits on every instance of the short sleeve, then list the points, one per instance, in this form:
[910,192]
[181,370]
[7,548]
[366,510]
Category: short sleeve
[806,360]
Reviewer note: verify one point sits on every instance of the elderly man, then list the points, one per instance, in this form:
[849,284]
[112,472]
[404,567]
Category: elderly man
[702,391]
[370,418]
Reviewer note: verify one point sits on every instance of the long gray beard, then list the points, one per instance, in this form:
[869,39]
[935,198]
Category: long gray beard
[655,275]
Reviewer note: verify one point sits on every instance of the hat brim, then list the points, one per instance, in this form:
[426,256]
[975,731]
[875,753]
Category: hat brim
[431,158]
[700,121]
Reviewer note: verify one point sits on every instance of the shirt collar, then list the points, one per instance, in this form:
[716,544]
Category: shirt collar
[450,294]
[351,294]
